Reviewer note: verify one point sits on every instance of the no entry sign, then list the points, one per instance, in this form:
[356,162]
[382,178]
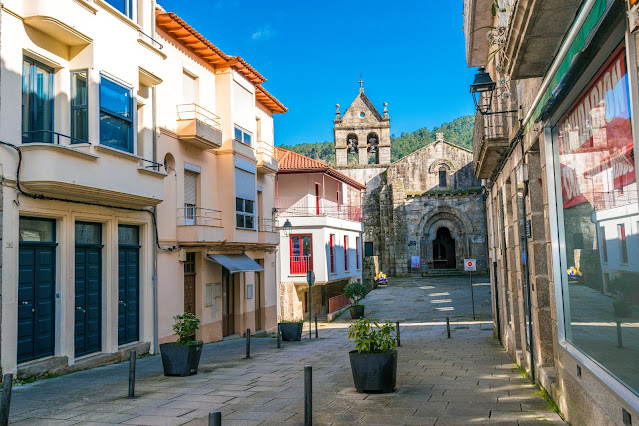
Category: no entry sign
[470,265]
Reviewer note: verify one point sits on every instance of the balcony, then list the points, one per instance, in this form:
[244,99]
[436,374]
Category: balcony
[198,127]
[310,205]
[83,172]
[267,232]
[490,142]
[266,162]
[196,225]
[67,21]
[300,265]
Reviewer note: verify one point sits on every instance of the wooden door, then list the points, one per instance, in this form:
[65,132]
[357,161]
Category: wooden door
[258,298]
[228,308]
[189,283]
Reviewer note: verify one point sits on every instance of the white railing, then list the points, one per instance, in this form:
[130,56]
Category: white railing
[266,225]
[310,205]
[192,216]
[196,112]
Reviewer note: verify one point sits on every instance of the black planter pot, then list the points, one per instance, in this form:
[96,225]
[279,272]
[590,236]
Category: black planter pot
[180,360]
[374,372]
[357,311]
[291,331]
[622,309]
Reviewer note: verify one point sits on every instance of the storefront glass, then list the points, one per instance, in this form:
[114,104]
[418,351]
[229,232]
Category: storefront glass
[600,243]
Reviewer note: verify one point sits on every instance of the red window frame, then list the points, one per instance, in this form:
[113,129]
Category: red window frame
[345,253]
[623,245]
[332,253]
[357,252]
[301,265]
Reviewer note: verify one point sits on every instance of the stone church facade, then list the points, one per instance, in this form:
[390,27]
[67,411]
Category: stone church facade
[428,204]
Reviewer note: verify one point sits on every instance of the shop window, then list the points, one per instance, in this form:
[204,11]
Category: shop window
[594,153]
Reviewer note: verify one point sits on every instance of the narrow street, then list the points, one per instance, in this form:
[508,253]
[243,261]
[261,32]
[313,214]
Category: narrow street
[466,379]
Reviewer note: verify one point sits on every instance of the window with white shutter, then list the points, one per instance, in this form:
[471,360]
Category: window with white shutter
[190,197]
[189,89]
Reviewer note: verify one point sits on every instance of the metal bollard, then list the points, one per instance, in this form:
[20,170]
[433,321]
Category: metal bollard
[448,327]
[308,395]
[248,343]
[399,342]
[279,344]
[316,335]
[132,359]
[5,402]
[619,339]
[215,418]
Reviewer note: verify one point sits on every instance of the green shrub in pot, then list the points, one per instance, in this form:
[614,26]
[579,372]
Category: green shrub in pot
[355,291]
[182,357]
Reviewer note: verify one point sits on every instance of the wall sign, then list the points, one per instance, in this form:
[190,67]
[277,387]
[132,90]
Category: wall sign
[470,265]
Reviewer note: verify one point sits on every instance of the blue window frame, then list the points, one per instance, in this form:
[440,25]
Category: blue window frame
[116,118]
[79,107]
[124,6]
[37,102]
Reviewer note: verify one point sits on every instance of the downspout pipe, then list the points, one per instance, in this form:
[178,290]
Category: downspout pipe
[155,251]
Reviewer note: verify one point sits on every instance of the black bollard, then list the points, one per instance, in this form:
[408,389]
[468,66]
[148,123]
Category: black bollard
[215,419]
[448,327]
[399,342]
[6,399]
[316,335]
[279,345]
[308,395]
[248,343]
[132,358]
[619,340]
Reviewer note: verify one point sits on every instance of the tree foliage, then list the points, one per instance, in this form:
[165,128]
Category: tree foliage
[458,131]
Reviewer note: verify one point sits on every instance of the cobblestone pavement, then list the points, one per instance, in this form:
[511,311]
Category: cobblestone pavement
[466,379]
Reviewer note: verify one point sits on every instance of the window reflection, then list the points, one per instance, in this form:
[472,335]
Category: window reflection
[600,213]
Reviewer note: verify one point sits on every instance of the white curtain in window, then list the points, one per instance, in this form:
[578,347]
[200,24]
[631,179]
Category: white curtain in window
[244,184]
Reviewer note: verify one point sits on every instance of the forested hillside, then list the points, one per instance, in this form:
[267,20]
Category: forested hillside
[458,131]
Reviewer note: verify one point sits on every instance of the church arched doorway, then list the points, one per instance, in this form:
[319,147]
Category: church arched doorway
[444,250]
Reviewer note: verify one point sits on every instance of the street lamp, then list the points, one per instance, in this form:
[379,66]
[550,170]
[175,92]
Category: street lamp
[483,84]
[287,228]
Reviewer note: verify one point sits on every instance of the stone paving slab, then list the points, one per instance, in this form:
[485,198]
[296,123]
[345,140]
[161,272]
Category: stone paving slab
[467,379]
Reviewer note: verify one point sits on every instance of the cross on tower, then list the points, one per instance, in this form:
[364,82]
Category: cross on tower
[361,82]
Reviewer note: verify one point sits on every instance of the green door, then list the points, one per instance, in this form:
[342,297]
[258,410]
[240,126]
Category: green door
[36,289]
[88,288]
[128,284]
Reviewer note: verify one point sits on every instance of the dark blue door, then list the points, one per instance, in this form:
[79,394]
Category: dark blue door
[128,284]
[88,288]
[36,289]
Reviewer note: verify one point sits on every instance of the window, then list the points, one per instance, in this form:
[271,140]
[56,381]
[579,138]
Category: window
[604,245]
[242,135]
[301,254]
[357,252]
[126,7]
[368,248]
[442,177]
[345,253]
[190,197]
[332,253]
[189,88]
[623,247]
[245,213]
[116,120]
[37,102]
[189,263]
[79,107]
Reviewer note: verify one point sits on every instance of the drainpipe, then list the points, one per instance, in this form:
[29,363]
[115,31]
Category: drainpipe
[155,249]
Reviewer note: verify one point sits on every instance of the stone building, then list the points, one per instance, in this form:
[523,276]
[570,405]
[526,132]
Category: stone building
[427,206]
[554,141]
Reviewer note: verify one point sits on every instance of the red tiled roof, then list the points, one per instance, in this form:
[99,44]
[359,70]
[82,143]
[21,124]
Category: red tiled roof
[292,162]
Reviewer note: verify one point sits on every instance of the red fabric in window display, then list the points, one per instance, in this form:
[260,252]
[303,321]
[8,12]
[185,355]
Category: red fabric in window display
[595,137]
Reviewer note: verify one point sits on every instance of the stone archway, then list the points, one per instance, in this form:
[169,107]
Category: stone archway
[444,250]
[458,226]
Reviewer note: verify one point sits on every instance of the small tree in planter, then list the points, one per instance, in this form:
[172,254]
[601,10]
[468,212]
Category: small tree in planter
[374,362]
[291,330]
[182,357]
[355,291]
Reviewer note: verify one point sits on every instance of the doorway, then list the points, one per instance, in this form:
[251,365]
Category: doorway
[189,283]
[258,296]
[444,250]
[128,284]
[228,303]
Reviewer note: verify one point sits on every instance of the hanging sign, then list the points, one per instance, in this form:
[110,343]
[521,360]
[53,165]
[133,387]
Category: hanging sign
[633,14]
[470,265]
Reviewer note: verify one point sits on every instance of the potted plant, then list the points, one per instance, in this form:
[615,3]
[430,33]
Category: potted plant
[182,358]
[374,362]
[291,330]
[621,287]
[355,291]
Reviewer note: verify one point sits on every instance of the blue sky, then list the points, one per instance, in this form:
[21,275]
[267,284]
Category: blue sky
[410,53]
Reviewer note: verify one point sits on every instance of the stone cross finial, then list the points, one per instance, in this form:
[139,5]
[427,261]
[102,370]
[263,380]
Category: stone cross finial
[385,109]
[440,137]
[337,113]
[361,83]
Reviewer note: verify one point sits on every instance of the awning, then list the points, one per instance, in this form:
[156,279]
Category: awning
[235,262]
